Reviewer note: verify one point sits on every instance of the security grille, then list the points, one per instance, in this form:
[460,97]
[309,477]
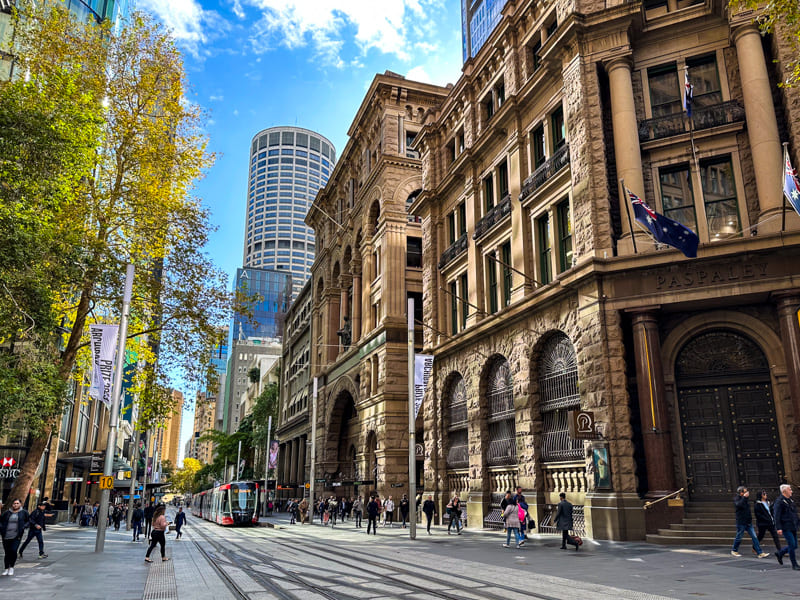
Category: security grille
[458,451]
[502,448]
[558,392]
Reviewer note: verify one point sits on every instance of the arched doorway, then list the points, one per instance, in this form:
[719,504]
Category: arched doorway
[727,414]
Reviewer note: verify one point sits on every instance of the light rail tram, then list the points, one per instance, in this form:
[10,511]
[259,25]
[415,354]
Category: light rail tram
[234,503]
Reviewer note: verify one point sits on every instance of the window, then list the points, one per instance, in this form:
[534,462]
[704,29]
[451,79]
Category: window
[564,235]
[502,179]
[664,90]
[464,289]
[414,252]
[451,227]
[462,219]
[453,308]
[535,59]
[410,136]
[719,197]
[488,193]
[505,256]
[537,147]
[557,125]
[545,250]
[677,198]
[500,93]
[704,76]
[488,106]
[491,282]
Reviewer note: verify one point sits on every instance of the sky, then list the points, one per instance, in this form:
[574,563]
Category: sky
[254,64]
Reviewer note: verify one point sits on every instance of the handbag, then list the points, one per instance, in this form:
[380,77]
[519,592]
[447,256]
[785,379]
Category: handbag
[531,524]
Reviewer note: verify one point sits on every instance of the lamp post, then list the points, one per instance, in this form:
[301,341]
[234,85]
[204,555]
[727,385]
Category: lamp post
[313,453]
[412,429]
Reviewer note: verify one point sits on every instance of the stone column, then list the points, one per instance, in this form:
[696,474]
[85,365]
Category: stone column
[762,125]
[788,304]
[521,239]
[356,317]
[652,404]
[293,463]
[626,140]
[368,275]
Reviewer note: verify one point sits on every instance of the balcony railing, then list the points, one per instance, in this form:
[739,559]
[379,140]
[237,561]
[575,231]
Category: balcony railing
[703,118]
[495,215]
[539,177]
[456,249]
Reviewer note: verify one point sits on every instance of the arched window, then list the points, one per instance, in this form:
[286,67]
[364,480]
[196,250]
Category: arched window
[500,417]
[558,392]
[457,431]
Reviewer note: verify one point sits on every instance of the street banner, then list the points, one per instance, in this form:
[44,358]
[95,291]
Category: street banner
[103,341]
[423,363]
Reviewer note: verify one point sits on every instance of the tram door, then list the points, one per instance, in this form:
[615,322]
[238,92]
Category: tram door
[728,422]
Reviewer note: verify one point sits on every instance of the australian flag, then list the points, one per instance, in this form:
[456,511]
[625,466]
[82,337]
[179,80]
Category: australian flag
[791,188]
[688,92]
[664,229]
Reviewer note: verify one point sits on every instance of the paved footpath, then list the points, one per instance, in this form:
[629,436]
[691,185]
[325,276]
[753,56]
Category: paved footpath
[73,570]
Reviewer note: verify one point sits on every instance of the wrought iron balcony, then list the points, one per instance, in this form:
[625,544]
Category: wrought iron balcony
[495,215]
[455,250]
[539,177]
[703,117]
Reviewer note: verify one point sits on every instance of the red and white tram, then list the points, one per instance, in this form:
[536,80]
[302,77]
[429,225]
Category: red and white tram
[234,503]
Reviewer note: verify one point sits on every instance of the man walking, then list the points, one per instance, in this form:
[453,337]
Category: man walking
[358,508]
[388,517]
[429,508]
[136,521]
[786,522]
[180,521]
[36,527]
[744,522]
[148,519]
[564,521]
[405,507]
[373,510]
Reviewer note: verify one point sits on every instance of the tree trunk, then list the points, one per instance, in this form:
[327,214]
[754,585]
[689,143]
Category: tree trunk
[27,470]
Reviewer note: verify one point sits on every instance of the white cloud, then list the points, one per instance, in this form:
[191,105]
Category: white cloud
[237,9]
[419,74]
[328,25]
[213,98]
[186,19]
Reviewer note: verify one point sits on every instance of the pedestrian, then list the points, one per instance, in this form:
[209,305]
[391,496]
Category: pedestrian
[429,508]
[148,519]
[765,521]
[454,510]
[564,522]
[117,517]
[405,507]
[358,509]
[180,521]
[520,498]
[786,522]
[36,526]
[157,533]
[333,510]
[136,521]
[12,523]
[744,522]
[76,511]
[511,518]
[388,516]
[373,510]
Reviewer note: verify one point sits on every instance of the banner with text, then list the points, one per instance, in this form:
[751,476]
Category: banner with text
[103,340]
[423,363]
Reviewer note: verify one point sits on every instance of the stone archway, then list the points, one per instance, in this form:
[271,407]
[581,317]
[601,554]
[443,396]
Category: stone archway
[727,415]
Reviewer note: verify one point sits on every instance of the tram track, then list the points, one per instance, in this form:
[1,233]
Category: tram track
[355,564]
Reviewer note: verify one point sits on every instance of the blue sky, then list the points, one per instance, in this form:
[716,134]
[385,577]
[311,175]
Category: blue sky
[262,63]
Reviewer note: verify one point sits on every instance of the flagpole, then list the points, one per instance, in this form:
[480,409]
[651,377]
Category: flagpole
[783,185]
[626,200]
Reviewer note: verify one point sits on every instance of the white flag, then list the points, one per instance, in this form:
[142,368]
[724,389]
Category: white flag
[423,363]
[103,340]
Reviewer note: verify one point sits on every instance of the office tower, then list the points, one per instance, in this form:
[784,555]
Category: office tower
[288,165]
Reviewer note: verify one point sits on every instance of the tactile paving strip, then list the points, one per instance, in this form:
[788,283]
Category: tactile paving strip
[161,581]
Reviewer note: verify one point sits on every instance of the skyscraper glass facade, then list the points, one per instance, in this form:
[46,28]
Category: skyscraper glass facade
[478,20]
[98,10]
[288,165]
[273,289]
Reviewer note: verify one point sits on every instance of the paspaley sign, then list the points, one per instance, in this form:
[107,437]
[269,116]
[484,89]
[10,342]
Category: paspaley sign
[8,468]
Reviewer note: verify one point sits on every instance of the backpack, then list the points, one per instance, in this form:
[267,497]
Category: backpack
[521,514]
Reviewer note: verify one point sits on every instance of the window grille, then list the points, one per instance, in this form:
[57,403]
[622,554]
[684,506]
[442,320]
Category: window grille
[458,451]
[558,392]
[502,448]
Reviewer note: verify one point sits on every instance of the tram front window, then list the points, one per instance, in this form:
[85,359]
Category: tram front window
[243,496]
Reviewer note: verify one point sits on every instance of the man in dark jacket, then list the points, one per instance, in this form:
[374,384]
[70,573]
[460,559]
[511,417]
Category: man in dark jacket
[35,528]
[373,510]
[180,521]
[744,522]
[136,522]
[148,519]
[564,521]
[429,508]
[786,522]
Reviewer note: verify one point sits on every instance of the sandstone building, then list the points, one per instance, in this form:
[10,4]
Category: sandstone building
[540,301]
[368,264]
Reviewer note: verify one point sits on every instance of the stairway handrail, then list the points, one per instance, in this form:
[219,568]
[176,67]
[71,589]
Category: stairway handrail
[650,503]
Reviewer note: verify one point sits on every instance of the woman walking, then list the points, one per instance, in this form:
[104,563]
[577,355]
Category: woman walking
[454,508]
[511,518]
[12,523]
[157,533]
[764,519]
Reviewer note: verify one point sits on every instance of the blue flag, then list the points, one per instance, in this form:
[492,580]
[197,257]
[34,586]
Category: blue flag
[791,188]
[664,229]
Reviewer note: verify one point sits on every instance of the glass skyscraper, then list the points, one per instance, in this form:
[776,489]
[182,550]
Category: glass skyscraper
[99,10]
[288,165]
[274,289]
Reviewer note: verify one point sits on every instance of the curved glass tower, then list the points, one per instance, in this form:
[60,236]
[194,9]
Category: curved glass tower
[287,167]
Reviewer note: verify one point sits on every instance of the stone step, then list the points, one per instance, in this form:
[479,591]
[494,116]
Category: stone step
[671,540]
[702,527]
[693,533]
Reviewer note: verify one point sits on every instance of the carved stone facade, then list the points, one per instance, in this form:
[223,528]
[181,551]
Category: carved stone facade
[530,267]
[368,263]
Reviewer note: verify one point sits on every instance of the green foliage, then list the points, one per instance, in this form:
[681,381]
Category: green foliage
[254,375]
[182,480]
[781,17]
[266,405]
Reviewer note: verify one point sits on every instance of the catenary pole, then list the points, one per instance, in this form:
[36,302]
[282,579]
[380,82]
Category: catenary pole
[239,461]
[412,429]
[266,464]
[134,475]
[116,392]
[313,472]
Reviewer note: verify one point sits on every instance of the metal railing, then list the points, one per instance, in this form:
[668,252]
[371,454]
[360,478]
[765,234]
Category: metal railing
[705,117]
[495,215]
[539,177]
[456,249]
[662,498]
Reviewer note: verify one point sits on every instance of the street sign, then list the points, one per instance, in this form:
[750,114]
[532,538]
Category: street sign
[396,485]
[320,480]
[107,482]
[96,465]
[73,479]
[308,486]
